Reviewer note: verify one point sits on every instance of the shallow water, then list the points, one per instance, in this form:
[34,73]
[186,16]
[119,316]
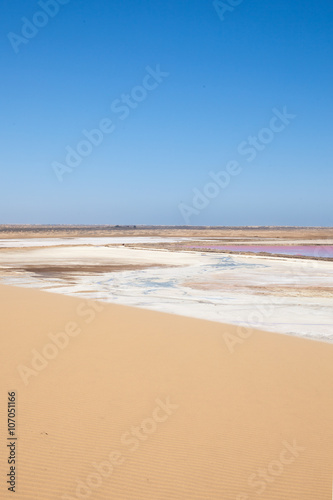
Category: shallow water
[322,251]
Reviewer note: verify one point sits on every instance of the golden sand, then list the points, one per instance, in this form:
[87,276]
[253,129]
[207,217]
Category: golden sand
[139,405]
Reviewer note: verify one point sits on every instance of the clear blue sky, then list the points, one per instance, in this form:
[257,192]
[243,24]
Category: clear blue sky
[225,78]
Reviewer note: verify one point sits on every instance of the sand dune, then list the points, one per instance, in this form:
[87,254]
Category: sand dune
[136,404]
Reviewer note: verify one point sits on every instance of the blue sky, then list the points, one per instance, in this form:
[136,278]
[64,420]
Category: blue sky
[221,80]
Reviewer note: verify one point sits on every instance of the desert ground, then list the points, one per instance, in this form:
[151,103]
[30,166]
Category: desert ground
[49,231]
[145,369]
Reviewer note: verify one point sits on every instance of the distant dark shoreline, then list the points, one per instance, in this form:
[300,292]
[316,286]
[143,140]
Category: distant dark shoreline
[105,227]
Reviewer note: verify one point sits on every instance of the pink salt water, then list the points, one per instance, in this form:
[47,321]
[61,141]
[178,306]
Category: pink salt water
[321,251]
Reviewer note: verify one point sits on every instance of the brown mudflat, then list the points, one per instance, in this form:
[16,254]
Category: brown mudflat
[80,269]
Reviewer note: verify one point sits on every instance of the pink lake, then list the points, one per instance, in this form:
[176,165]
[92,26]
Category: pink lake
[322,251]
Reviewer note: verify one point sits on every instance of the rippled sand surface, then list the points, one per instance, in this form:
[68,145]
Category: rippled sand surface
[121,403]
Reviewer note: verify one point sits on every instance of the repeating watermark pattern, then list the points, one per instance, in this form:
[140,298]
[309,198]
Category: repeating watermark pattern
[222,7]
[265,476]
[59,341]
[222,179]
[131,440]
[30,28]
[122,107]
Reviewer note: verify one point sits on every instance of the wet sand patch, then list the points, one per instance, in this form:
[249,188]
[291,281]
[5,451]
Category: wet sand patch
[49,271]
[284,290]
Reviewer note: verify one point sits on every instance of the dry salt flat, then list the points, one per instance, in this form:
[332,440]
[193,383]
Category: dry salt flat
[96,241]
[284,295]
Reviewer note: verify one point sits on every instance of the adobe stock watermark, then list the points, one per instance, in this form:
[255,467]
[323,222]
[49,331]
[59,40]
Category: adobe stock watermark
[122,107]
[265,476]
[250,148]
[130,441]
[299,269]
[222,7]
[30,28]
[256,319]
[59,341]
